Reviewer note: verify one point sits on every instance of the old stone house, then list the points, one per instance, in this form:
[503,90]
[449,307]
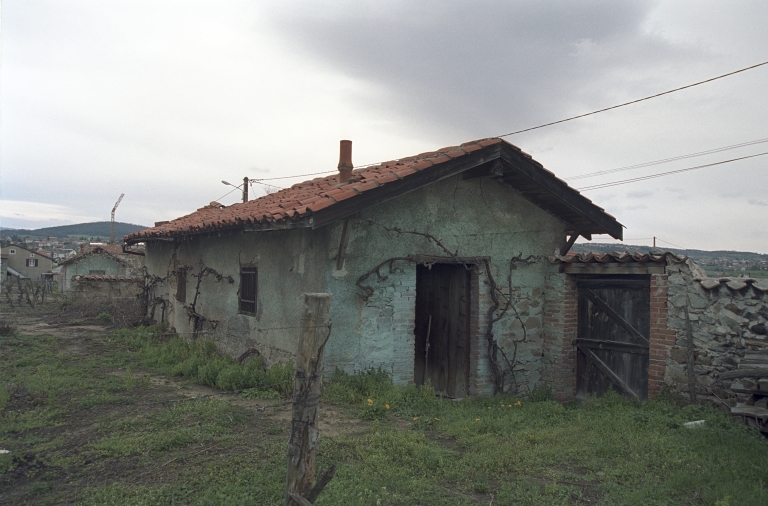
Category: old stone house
[102,260]
[438,265]
[22,262]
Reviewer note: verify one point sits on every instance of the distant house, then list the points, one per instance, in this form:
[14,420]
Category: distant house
[24,263]
[100,260]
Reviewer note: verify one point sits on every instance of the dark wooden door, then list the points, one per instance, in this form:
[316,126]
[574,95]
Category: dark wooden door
[613,336]
[442,328]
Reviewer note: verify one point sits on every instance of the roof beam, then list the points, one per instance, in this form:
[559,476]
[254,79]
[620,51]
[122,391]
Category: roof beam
[564,194]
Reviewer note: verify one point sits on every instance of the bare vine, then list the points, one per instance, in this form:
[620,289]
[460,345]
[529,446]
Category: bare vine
[198,320]
[495,313]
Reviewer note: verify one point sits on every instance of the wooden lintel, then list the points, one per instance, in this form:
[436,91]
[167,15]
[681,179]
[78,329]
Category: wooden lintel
[607,371]
[429,259]
[612,268]
[342,245]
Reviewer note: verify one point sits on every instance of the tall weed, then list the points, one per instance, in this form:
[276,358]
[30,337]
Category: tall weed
[201,362]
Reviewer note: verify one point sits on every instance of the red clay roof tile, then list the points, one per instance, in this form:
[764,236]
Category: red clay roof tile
[303,199]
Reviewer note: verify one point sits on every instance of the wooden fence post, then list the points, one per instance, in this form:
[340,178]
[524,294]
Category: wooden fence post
[305,438]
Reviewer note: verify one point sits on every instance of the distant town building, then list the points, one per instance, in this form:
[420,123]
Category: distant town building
[22,262]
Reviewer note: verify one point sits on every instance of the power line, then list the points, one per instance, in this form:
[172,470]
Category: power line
[635,101]
[256,180]
[573,118]
[670,243]
[227,194]
[666,160]
[652,176]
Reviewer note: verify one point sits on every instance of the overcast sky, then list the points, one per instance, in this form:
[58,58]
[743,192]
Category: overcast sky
[162,100]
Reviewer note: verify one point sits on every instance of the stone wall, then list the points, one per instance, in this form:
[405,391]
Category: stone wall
[720,321]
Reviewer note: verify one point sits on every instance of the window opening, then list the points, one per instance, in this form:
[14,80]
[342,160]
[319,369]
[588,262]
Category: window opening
[181,285]
[248,289]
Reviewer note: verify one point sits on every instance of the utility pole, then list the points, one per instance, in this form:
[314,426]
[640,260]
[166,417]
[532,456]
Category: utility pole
[245,189]
[654,241]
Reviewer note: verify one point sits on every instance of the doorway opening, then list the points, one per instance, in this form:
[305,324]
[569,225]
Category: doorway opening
[442,329]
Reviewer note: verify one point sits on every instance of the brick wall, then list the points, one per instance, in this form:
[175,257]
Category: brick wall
[560,327]
[662,339]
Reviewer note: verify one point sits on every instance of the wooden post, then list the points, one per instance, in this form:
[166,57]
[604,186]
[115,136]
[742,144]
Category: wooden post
[305,438]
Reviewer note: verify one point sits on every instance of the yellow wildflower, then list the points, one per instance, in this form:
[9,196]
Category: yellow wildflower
[386,406]
[437,419]
[477,419]
[370,402]
[509,405]
[519,403]
[415,418]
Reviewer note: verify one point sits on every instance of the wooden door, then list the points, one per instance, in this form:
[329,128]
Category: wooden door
[613,336]
[442,328]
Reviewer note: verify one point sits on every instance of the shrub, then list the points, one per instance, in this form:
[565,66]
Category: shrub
[7,326]
[106,318]
[541,393]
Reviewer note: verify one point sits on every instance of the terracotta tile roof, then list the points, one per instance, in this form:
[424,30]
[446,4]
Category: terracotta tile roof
[90,277]
[297,204]
[112,250]
[734,283]
[616,257]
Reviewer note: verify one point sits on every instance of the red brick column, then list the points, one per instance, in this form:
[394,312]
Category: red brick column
[662,339]
[560,328]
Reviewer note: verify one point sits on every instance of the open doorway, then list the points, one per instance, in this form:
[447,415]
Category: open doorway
[442,328]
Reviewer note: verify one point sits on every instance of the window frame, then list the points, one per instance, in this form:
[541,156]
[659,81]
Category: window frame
[33,262]
[247,306]
[181,286]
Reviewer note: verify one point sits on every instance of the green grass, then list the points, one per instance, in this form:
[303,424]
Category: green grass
[87,426]
[201,362]
[541,452]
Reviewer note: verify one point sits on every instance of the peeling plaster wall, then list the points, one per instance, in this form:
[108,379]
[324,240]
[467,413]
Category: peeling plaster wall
[472,218]
[281,257]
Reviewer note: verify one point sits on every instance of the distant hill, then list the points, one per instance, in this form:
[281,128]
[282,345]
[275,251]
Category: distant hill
[95,229]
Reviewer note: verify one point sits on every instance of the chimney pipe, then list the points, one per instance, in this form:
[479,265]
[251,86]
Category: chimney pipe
[345,161]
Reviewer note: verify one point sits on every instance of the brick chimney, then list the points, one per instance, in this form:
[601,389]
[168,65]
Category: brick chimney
[345,161]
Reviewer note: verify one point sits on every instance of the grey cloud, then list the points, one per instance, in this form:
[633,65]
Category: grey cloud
[760,203]
[639,194]
[485,68]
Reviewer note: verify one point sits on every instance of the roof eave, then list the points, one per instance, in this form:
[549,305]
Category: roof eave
[601,222]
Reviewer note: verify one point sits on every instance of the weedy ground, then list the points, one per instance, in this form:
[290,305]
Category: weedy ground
[93,415]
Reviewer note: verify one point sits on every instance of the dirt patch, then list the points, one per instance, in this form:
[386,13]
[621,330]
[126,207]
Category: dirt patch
[58,462]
